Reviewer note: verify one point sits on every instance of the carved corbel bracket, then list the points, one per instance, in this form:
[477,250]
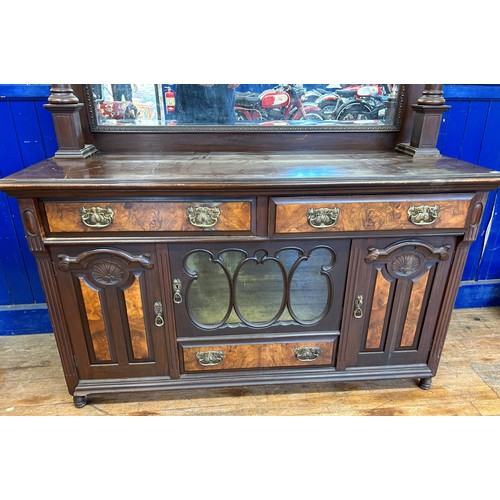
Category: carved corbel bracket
[428,112]
[65,108]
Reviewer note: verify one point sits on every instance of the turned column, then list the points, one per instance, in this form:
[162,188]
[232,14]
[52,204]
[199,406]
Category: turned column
[428,113]
[65,108]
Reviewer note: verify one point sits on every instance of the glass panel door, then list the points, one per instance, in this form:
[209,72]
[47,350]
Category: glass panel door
[258,287]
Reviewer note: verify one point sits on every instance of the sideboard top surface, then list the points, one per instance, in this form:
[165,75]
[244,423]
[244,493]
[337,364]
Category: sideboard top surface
[374,172]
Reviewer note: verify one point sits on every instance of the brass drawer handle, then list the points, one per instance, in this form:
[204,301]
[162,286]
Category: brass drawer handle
[158,310]
[307,353]
[203,216]
[97,217]
[358,312]
[210,358]
[423,215]
[322,217]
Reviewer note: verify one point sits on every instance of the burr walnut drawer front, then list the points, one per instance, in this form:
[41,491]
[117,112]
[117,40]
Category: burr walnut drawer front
[248,356]
[363,213]
[150,215]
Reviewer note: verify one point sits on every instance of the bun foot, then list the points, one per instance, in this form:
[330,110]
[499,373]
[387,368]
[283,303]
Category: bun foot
[80,401]
[425,383]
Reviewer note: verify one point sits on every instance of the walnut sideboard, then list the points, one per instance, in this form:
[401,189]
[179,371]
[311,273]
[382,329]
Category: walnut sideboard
[208,270]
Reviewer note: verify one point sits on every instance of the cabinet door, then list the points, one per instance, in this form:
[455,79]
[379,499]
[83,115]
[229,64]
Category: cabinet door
[112,305]
[393,300]
[258,287]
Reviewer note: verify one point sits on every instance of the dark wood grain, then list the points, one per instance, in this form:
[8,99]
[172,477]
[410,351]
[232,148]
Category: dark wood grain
[414,311]
[135,316]
[378,313]
[95,321]
[251,173]
[112,332]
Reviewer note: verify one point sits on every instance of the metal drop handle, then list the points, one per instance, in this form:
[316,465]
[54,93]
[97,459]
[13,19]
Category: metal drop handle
[158,310]
[97,217]
[177,288]
[358,312]
[323,217]
[209,358]
[307,353]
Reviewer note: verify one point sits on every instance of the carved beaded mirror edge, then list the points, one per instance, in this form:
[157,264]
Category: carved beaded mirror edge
[391,108]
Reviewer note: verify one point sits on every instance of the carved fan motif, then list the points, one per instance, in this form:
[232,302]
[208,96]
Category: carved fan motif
[107,273]
[405,264]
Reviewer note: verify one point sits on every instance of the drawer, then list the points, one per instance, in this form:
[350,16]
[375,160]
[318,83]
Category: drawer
[150,215]
[245,356]
[367,213]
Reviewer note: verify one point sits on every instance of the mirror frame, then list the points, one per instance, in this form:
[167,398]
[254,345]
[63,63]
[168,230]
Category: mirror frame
[162,129]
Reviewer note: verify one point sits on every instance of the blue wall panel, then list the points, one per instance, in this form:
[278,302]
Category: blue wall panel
[456,119]
[4,291]
[46,129]
[10,156]
[489,267]
[11,256]
[472,140]
[26,137]
[470,131]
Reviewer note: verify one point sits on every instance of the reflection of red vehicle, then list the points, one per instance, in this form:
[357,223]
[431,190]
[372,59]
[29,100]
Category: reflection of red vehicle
[284,102]
[117,110]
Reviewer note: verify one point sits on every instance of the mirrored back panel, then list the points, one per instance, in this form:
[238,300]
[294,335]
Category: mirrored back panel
[129,107]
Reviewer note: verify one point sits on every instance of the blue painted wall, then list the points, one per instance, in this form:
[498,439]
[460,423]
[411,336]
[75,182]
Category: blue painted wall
[470,131]
[26,137]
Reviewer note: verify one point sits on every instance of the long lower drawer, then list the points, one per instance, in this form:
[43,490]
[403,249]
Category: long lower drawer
[247,356]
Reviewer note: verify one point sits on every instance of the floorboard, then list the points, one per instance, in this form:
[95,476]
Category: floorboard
[467,383]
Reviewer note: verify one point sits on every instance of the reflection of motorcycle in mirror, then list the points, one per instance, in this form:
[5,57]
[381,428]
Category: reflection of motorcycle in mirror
[370,103]
[332,103]
[283,102]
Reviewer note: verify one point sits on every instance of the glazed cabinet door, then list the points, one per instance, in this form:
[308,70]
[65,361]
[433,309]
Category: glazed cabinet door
[393,300]
[113,309]
[258,288]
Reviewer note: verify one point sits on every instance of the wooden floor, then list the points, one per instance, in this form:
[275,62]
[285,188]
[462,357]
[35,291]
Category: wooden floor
[467,383]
